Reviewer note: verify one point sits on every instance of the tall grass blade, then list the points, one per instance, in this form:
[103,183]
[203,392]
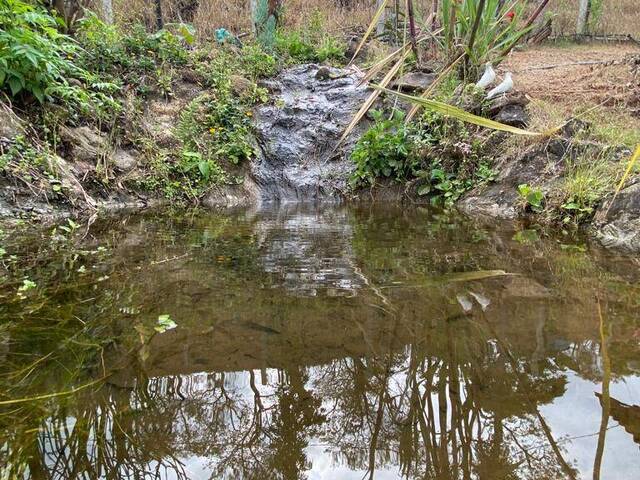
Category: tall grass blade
[476,25]
[462,115]
[416,106]
[412,29]
[632,163]
[372,98]
[370,29]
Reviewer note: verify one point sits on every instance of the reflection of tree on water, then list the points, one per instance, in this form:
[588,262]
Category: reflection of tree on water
[101,437]
[433,410]
[435,417]
[447,399]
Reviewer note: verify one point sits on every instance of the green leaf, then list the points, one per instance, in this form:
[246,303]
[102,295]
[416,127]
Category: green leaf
[165,323]
[535,198]
[424,190]
[205,169]
[38,93]
[16,85]
[188,33]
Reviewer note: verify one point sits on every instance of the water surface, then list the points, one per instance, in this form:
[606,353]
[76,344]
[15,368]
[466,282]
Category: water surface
[317,343]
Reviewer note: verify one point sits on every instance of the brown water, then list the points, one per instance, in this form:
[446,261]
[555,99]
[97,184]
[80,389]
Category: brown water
[320,344]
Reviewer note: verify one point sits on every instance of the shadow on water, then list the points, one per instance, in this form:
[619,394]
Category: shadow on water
[338,343]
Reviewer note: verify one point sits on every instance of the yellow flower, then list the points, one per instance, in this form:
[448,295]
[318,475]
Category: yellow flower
[249,114]
[212,130]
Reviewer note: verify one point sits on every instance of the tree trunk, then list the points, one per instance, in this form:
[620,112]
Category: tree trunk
[582,28]
[107,11]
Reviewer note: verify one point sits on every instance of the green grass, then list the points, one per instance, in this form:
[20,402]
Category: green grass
[590,179]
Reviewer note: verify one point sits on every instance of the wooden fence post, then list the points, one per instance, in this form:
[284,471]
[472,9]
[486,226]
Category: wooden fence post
[584,8]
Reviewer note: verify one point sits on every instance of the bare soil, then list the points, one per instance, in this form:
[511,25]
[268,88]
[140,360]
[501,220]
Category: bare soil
[572,75]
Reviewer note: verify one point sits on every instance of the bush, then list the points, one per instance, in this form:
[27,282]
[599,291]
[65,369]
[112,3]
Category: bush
[384,151]
[34,57]
[130,57]
[213,129]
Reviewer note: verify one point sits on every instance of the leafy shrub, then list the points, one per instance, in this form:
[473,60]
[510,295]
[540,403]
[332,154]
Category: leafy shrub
[217,67]
[384,151]
[34,56]
[439,152]
[130,57]
[533,197]
[36,60]
[214,129]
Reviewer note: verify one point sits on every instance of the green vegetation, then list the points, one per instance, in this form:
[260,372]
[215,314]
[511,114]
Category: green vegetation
[532,197]
[131,59]
[488,30]
[214,129]
[385,150]
[310,44]
[35,58]
[440,154]
[105,77]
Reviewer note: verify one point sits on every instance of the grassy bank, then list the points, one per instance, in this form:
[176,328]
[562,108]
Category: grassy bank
[175,105]
[168,113]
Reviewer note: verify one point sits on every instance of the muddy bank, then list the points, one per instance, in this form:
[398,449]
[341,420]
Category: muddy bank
[546,166]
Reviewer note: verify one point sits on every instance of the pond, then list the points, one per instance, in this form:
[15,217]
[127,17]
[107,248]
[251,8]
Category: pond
[320,343]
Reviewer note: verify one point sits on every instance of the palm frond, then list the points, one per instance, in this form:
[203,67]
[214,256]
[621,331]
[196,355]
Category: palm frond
[374,95]
[370,29]
[462,115]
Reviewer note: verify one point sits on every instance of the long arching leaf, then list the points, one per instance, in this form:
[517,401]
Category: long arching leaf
[372,98]
[372,26]
[462,115]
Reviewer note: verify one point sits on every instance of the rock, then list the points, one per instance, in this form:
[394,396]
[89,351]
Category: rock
[541,166]
[514,98]
[323,73]
[124,161]
[240,85]
[514,115]
[69,181]
[412,81]
[575,126]
[298,133]
[86,144]
[523,287]
[10,125]
[159,121]
[617,222]
[352,47]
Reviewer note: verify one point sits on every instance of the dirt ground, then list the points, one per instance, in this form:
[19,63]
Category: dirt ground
[579,75]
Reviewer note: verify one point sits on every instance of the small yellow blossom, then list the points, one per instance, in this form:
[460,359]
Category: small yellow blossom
[249,114]
[212,130]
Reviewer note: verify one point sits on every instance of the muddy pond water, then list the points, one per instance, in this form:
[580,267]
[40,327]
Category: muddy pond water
[316,343]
